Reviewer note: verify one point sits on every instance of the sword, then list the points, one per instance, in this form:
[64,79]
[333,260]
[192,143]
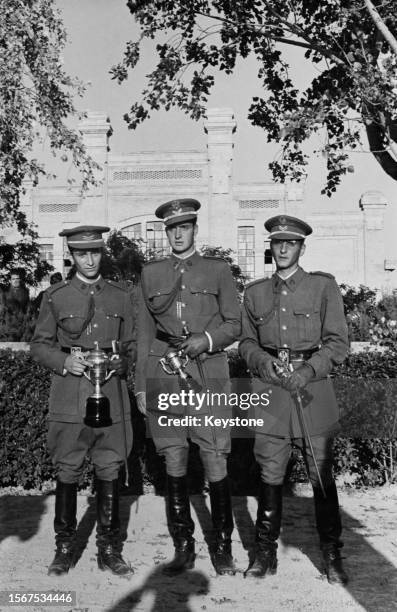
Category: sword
[280,371]
[120,392]
[200,368]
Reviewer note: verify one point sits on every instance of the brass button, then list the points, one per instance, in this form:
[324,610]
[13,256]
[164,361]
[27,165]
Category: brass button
[284,292]
[183,287]
[284,327]
[95,325]
[284,309]
[285,345]
[92,292]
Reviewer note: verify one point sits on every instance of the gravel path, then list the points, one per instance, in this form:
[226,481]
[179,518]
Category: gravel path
[370,535]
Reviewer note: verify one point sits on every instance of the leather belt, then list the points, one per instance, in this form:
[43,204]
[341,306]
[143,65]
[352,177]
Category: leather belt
[293,355]
[83,349]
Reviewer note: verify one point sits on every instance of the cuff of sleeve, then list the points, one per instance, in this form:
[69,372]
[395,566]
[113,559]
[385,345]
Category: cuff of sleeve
[316,362]
[210,343]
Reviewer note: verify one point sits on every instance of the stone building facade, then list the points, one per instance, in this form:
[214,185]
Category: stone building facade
[350,244]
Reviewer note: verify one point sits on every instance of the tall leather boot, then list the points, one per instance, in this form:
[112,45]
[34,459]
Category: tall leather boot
[222,520]
[108,529]
[329,527]
[268,524]
[65,528]
[180,525]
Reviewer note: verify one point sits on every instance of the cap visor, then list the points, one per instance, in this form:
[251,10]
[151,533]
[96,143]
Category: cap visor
[180,219]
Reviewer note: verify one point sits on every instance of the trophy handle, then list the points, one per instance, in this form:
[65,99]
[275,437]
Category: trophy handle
[114,356]
[184,359]
[87,376]
[165,366]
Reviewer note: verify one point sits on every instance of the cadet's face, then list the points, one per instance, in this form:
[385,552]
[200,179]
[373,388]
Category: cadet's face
[15,281]
[87,261]
[286,253]
[181,236]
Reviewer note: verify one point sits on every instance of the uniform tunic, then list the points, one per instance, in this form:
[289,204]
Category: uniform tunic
[75,313]
[197,292]
[301,313]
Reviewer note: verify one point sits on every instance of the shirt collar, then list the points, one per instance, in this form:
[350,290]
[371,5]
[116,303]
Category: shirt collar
[88,288]
[291,282]
[188,261]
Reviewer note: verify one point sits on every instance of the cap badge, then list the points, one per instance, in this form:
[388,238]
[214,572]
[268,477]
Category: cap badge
[283,228]
[176,208]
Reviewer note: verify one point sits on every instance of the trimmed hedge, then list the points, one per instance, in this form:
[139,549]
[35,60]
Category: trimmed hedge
[365,453]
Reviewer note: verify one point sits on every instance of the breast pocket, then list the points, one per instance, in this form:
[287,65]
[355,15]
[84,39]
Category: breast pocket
[160,297]
[265,329]
[205,298]
[308,322]
[72,322]
[113,325]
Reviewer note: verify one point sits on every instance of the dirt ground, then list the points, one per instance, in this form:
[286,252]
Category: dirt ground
[370,536]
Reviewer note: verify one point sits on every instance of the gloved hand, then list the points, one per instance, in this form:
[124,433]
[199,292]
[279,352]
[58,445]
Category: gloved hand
[194,345]
[120,365]
[299,378]
[141,402]
[267,372]
[75,364]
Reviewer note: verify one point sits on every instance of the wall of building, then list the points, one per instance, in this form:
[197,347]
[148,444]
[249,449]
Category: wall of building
[348,243]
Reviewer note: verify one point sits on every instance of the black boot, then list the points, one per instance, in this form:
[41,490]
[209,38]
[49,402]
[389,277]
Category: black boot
[180,525]
[329,527]
[108,529]
[65,528]
[268,524]
[222,520]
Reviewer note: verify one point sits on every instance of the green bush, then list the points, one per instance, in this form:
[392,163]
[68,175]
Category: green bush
[23,412]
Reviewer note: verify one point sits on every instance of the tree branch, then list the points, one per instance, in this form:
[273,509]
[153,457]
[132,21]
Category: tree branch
[380,24]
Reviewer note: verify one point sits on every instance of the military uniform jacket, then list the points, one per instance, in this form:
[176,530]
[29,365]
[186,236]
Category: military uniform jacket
[301,313]
[197,292]
[75,313]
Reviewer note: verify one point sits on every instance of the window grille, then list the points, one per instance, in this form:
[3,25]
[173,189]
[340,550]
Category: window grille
[157,175]
[57,207]
[249,204]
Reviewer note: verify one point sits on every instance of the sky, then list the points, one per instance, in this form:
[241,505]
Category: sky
[97,32]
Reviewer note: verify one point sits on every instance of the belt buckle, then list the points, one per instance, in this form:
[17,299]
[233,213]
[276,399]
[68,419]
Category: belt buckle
[76,350]
[284,355]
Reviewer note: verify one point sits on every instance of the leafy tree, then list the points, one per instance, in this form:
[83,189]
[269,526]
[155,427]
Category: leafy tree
[36,100]
[123,259]
[350,43]
[235,269]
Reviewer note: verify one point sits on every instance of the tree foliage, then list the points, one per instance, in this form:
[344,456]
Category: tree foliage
[36,102]
[350,43]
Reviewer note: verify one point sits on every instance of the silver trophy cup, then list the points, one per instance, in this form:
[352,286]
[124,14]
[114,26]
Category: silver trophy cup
[98,372]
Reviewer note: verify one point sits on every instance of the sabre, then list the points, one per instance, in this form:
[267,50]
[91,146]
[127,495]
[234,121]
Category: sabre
[280,371]
[115,355]
[200,369]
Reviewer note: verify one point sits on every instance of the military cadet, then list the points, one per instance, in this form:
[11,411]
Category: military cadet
[189,302]
[295,317]
[74,316]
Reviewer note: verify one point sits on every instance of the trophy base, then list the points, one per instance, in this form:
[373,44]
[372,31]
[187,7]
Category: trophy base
[97,412]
